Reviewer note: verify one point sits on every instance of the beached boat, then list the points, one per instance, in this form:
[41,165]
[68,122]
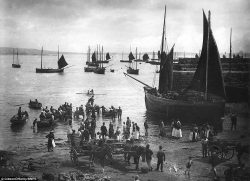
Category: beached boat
[145,57]
[16,121]
[130,69]
[61,64]
[204,99]
[35,104]
[15,65]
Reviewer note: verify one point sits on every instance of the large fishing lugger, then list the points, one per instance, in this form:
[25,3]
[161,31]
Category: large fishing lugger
[204,99]
[61,65]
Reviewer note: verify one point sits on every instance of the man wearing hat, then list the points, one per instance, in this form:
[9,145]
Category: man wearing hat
[50,137]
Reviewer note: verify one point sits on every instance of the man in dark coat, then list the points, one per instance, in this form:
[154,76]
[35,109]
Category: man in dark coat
[103,131]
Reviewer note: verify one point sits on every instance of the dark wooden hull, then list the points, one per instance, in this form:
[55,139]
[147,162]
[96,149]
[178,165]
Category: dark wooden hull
[89,69]
[99,71]
[133,71]
[15,121]
[138,60]
[112,70]
[104,61]
[187,111]
[92,64]
[39,70]
[35,105]
[236,93]
[154,62]
[128,61]
[16,65]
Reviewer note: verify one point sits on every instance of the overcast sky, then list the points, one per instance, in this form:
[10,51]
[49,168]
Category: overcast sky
[117,24]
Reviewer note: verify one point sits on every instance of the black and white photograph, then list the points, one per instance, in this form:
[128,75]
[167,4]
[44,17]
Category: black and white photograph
[128,90]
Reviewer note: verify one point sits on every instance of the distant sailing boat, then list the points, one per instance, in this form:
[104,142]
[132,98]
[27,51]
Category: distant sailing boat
[204,99]
[154,61]
[125,60]
[138,59]
[15,65]
[100,69]
[61,64]
[91,65]
[130,69]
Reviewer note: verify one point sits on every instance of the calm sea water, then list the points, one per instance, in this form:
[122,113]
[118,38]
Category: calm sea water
[18,86]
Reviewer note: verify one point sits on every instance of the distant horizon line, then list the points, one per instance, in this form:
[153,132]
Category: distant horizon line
[68,52]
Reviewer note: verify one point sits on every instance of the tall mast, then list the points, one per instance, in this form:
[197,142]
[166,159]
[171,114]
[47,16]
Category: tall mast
[136,53]
[13,55]
[163,32]
[97,53]
[17,55]
[58,52]
[102,56]
[42,58]
[230,55]
[208,32]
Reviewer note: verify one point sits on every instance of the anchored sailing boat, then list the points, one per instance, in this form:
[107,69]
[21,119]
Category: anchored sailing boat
[61,64]
[91,65]
[15,65]
[130,69]
[204,98]
[100,69]
[125,60]
[154,61]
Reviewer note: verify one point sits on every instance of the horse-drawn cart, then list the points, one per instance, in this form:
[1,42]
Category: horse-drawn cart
[103,150]
[223,149]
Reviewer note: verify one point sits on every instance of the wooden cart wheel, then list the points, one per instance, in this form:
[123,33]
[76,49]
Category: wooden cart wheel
[215,149]
[228,153]
[73,156]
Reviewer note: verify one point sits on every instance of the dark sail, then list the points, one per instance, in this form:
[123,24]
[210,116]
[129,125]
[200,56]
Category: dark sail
[145,57]
[62,62]
[93,57]
[131,56]
[215,83]
[107,56]
[166,71]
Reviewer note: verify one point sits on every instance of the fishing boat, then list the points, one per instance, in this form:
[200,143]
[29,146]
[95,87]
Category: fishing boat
[122,60]
[137,59]
[105,61]
[130,69]
[35,104]
[91,65]
[15,65]
[61,64]
[100,69]
[16,121]
[204,99]
[154,61]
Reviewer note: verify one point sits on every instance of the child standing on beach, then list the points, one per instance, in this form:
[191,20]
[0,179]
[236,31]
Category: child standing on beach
[161,159]
[188,166]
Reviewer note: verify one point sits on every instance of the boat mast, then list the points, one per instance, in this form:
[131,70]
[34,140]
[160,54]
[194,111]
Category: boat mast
[13,55]
[97,53]
[207,54]
[58,53]
[136,58]
[102,56]
[17,55]
[163,32]
[230,54]
[42,58]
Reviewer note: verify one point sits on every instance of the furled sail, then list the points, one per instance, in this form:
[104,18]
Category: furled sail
[93,57]
[215,83]
[166,71]
[62,62]
[131,56]
[107,56]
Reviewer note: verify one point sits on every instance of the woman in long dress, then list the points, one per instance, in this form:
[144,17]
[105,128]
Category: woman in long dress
[137,131]
[174,128]
[178,132]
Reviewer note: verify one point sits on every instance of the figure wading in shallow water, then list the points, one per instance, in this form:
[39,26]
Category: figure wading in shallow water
[51,138]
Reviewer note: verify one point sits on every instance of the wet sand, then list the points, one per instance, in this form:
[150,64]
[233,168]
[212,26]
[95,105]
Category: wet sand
[177,153]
